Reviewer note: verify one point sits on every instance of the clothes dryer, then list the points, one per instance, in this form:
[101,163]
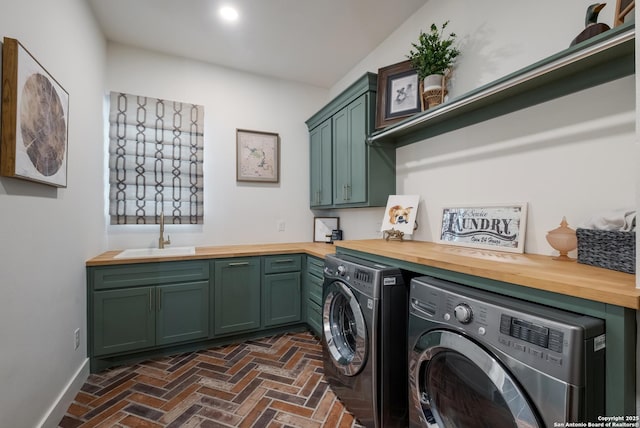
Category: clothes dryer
[364,339]
[483,360]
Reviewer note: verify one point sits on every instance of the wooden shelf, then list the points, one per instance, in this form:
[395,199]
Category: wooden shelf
[606,57]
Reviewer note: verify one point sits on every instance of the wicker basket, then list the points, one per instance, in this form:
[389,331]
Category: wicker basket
[607,249]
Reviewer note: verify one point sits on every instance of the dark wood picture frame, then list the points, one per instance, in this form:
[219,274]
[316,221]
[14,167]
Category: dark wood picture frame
[398,93]
[623,8]
[35,108]
[257,156]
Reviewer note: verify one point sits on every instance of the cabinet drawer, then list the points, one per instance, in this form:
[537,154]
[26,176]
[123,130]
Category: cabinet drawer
[315,296]
[136,275]
[282,263]
[315,266]
[315,289]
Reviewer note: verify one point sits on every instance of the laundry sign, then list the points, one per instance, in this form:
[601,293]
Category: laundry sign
[495,227]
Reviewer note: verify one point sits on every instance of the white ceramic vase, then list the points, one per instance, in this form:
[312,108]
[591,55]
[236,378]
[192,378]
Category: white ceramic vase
[433,82]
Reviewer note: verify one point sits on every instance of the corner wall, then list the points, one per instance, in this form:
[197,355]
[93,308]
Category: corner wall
[575,156]
[567,157]
[48,233]
[235,212]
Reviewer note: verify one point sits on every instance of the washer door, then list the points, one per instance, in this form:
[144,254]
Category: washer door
[344,329]
[457,384]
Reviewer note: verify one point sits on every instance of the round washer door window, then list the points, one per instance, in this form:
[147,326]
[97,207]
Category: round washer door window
[344,329]
[460,385]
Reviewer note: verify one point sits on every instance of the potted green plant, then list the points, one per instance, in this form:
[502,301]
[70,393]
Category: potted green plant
[433,55]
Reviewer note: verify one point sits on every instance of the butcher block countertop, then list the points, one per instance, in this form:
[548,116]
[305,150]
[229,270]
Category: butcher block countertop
[529,270]
[316,249]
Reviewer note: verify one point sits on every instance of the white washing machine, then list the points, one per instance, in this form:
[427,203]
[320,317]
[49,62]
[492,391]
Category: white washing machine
[364,339]
[483,360]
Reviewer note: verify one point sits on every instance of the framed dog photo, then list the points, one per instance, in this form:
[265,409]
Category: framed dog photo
[401,213]
[490,226]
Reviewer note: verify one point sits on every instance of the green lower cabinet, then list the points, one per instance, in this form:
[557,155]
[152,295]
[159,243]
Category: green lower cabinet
[124,320]
[281,299]
[144,317]
[314,280]
[183,312]
[314,319]
[236,295]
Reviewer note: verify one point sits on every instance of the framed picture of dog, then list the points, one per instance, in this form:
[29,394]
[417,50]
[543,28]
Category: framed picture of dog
[398,93]
[490,226]
[400,214]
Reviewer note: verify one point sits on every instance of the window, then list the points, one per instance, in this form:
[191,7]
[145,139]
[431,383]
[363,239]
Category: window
[155,160]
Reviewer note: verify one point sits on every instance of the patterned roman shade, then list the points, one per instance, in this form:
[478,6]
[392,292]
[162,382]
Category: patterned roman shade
[155,160]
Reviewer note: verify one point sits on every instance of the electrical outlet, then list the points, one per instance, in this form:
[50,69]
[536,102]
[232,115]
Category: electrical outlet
[281,226]
[76,338]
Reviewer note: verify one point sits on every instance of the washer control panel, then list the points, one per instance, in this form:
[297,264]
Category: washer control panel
[543,337]
[535,334]
[362,275]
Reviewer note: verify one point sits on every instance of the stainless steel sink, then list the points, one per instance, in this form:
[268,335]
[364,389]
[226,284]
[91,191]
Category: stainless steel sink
[156,252]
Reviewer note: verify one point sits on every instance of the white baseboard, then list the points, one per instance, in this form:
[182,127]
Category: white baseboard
[56,412]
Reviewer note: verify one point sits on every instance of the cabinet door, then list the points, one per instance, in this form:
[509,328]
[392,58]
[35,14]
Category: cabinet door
[350,152]
[281,298]
[237,295]
[183,312]
[314,302]
[320,165]
[124,320]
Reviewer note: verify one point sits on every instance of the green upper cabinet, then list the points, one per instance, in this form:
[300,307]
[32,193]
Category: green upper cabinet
[360,175]
[320,165]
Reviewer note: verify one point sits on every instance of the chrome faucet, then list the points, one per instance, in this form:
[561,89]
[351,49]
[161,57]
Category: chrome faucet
[161,241]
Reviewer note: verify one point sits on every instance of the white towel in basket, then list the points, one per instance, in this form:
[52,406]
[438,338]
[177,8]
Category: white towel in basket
[621,220]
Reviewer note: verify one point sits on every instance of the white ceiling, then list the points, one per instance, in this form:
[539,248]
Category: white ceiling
[309,41]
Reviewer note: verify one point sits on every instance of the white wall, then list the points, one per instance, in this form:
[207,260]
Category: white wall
[568,157]
[235,213]
[46,234]
[574,156]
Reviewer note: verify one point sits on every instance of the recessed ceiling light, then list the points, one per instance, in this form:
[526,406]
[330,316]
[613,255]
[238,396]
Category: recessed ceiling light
[228,13]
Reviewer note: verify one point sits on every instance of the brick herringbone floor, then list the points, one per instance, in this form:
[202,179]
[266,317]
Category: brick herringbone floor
[271,382]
